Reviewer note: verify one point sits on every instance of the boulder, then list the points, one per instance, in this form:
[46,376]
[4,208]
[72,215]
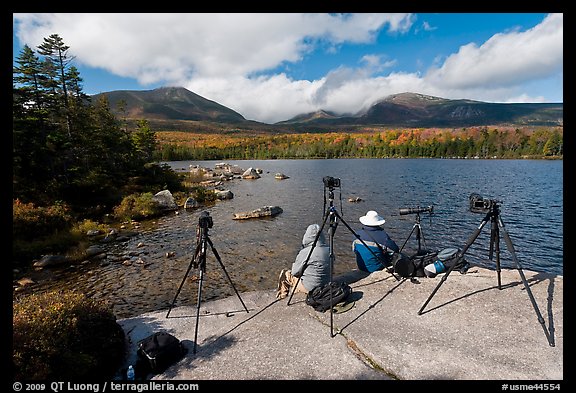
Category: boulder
[191,203]
[223,194]
[51,260]
[280,176]
[165,200]
[266,211]
[250,173]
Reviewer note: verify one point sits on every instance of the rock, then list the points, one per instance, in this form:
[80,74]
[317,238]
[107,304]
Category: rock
[191,203]
[165,200]
[25,281]
[94,250]
[266,211]
[280,176]
[223,194]
[250,173]
[51,260]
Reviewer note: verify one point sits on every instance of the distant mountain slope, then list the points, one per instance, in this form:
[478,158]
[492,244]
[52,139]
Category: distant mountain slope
[418,110]
[170,103]
[178,108]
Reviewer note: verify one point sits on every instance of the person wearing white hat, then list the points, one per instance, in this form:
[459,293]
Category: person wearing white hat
[381,247]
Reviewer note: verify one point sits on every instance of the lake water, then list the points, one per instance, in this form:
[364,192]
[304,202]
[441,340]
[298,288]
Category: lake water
[530,195]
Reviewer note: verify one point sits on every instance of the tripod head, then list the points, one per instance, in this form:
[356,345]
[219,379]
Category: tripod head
[204,223]
[330,184]
[480,205]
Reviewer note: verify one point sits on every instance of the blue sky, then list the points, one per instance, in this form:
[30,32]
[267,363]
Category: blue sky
[271,67]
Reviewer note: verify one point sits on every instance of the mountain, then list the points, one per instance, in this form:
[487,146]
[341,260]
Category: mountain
[177,108]
[170,103]
[419,110]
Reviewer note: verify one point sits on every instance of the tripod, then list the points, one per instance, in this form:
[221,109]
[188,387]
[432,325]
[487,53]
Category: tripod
[492,210]
[332,216]
[199,261]
[416,227]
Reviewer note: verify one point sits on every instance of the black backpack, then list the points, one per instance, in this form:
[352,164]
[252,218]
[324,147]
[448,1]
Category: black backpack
[319,297]
[159,351]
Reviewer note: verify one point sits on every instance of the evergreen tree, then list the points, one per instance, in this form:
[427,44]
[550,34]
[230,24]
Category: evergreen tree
[56,54]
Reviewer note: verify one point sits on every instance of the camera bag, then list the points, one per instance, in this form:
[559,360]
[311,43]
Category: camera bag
[160,350]
[421,261]
[324,297]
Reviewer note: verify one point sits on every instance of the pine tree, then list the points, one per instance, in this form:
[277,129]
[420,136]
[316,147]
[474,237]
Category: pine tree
[56,57]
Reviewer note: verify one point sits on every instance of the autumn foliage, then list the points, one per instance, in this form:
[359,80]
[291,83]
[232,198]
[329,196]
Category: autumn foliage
[477,142]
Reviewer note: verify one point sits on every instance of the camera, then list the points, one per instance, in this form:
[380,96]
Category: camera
[205,221]
[331,182]
[481,205]
[416,210]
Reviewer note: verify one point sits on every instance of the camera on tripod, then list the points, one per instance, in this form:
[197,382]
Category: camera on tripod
[331,182]
[481,205]
[205,221]
[416,210]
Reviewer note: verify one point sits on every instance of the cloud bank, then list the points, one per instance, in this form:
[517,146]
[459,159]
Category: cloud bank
[239,60]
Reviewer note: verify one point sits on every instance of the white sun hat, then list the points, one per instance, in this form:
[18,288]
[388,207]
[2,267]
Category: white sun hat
[372,219]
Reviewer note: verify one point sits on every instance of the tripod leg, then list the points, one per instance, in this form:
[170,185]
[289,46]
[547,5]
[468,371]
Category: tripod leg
[420,235]
[408,238]
[310,254]
[526,286]
[333,225]
[442,280]
[466,247]
[225,272]
[199,299]
[495,244]
[192,262]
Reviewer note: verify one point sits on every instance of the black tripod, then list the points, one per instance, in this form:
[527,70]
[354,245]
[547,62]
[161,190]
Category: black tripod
[492,210]
[416,228]
[199,261]
[332,216]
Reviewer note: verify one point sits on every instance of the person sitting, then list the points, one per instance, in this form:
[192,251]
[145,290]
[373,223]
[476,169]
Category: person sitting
[381,248]
[312,265]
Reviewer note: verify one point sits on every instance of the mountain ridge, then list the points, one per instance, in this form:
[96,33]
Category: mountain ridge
[179,108]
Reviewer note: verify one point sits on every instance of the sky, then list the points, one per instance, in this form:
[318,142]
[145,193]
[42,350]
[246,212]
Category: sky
[272,67]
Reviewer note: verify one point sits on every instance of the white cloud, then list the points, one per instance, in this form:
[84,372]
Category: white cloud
[228,58]
[506,59]
[174,47]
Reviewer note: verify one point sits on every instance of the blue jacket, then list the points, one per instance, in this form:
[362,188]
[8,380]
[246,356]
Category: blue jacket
[365,258]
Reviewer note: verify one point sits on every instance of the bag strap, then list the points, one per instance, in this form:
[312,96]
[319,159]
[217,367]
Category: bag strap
[378,245]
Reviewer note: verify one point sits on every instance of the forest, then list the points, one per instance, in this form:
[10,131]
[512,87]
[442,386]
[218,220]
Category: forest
[476,142]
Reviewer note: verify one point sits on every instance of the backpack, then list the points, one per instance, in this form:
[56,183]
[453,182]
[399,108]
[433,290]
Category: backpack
[421,261]
[160,350]
[319,297]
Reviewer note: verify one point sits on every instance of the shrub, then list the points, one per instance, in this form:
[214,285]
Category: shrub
[202,194]
[81,228]
[30,222]
[65,336]
[137,207]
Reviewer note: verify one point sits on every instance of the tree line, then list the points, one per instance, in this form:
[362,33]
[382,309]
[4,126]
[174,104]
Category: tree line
[477,142]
